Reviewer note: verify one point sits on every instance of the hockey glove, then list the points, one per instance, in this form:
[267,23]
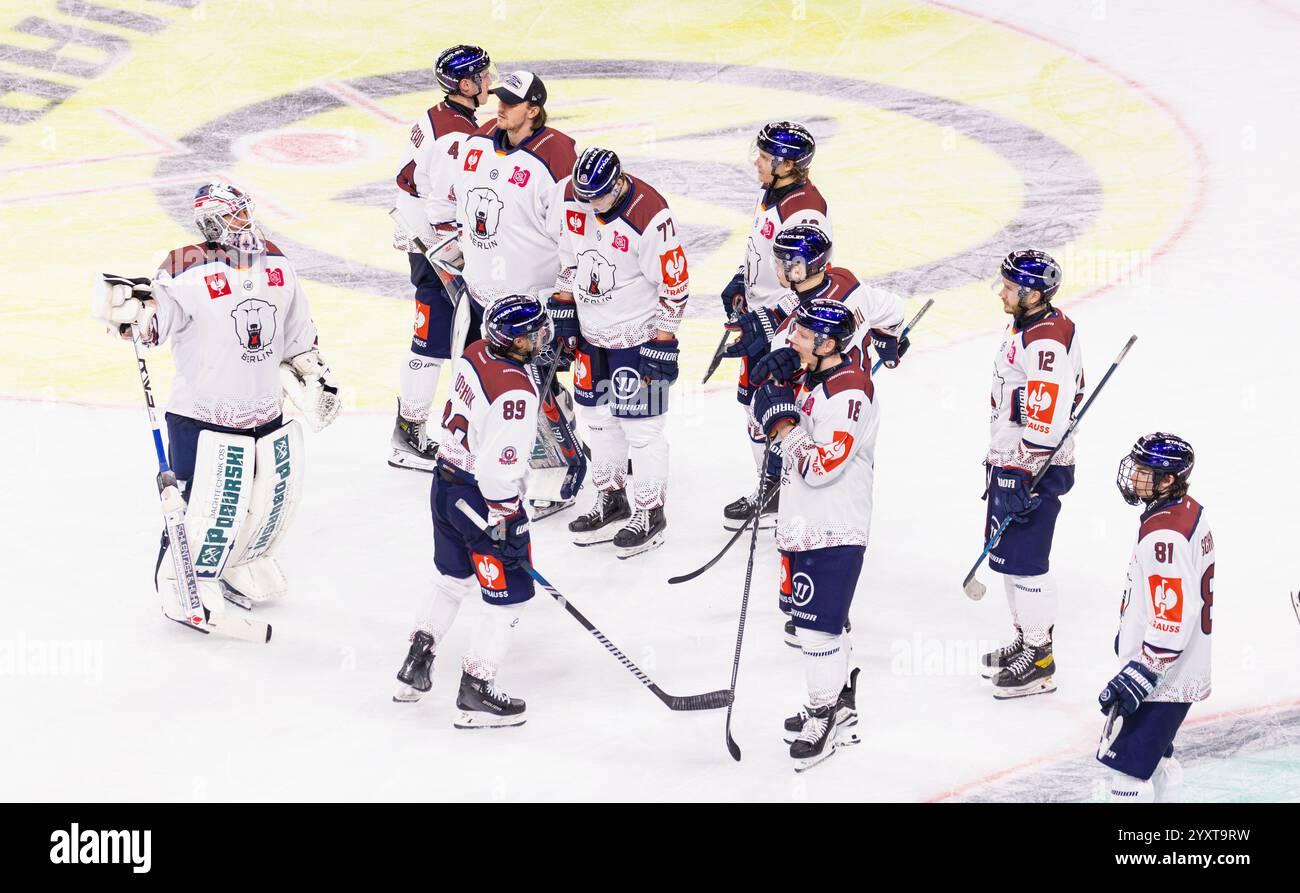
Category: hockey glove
[1009,491]
[309,383]
[1129,687]
[510,539]
[889,349]
[122,302]
[756,328]
[773,404]
[733,295]
[658,360]
[564,315]
[1018,406]
[782,365]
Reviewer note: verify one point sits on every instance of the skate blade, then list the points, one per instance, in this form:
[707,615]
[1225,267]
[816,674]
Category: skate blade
[595,537]
[400,459]
[538,511]
[236,598]
[805,765]
[1041,687]
[766,522]
[655,542]
[476,720]
[406,694]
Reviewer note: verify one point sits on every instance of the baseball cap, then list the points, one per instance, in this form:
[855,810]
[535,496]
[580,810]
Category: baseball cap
[521,86]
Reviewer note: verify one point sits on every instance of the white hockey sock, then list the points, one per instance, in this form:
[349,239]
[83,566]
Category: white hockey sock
[1168,781]
[823,666]
[1036,599]
[1127,789]
[648,449]
[491,640]
[1009,584]
[418,382]
[448,594]
[608,447]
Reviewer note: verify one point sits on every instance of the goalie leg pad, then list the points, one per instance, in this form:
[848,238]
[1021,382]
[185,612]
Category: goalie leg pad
[219,497]
[276,491]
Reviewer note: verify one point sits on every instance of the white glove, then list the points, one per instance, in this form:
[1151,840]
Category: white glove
[122,302]
[309,383]
[450,253]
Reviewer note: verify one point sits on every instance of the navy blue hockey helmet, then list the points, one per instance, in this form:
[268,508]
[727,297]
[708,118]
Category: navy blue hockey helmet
[787,141]
[1163,454]
[828,318]
[801,243]
[1032,271]
[508,317]
[461,61]
[595,173]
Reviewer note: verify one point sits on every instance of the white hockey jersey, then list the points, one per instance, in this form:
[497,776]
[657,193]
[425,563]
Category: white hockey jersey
[628,271]
[828,463]
[1044,359]
[508,205]
[230,327]
[873,308]
[424,182]
[1165,617]
[489,425]
[774,209]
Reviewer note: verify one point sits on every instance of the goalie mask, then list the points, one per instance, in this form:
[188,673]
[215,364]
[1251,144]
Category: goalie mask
[224,215]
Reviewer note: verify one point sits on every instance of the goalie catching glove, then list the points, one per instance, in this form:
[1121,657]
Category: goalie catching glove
[121,302]
[309,383]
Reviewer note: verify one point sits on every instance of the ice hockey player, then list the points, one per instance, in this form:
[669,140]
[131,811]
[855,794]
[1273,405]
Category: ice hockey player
[424,183]
[241,336]
[509,188]
[1037,385]
[1164,624]
[801,256]
[782,155]
[619,299]
[488,425]
[821,408]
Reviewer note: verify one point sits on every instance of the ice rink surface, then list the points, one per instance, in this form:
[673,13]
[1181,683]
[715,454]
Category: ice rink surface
[1146,145]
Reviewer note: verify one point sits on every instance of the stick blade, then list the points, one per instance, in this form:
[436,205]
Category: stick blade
[974,589]
[713,700]
[732,747]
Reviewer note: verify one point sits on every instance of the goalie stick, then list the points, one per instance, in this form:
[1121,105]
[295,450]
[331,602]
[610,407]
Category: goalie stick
[737,535]
[451,280]
[973,588]
[712,700]
[173,509]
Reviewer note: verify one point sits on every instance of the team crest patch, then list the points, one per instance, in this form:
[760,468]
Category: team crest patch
[509,456]
[491,574]
[218,285]
[1166,598]
[577,222]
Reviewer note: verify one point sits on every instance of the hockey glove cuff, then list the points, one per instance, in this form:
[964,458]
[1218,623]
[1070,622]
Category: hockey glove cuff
[773,404]
[1128,689]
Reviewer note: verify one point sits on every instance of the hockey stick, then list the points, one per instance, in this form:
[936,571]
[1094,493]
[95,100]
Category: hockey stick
[1295,603]
[734,537]
[973,588]
[915,319]
[1109,732]
[451,280]
[712,700]
[732,747]
[717,354]
[173,508]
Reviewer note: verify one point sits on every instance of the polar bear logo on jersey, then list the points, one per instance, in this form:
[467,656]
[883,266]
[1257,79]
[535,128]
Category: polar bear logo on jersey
[595,276]
[254,323]
[751,263]
[483,212]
